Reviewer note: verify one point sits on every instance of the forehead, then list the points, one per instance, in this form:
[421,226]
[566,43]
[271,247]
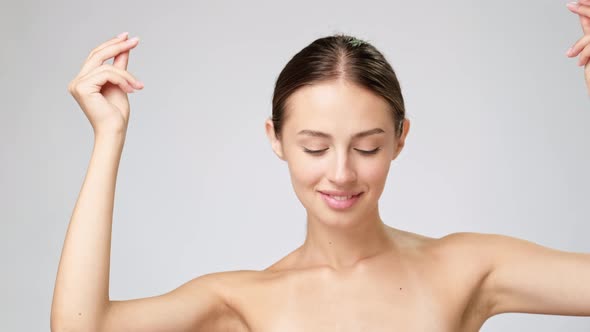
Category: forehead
[336,106]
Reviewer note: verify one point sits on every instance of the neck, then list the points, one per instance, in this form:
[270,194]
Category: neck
[343,246]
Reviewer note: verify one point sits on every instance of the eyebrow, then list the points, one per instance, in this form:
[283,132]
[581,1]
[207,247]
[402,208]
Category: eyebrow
[365,133]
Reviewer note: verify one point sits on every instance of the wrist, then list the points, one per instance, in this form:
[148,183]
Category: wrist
[110,137]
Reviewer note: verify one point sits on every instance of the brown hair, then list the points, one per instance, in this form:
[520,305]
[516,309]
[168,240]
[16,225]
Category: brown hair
[338,57]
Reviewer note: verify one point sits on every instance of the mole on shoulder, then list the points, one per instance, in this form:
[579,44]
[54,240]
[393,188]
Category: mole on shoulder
[400,288]
[79,314]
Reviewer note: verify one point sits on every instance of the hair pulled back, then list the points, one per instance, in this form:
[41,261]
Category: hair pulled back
[338,57]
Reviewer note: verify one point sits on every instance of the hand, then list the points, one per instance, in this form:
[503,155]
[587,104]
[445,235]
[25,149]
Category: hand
[101,89]
[582,46]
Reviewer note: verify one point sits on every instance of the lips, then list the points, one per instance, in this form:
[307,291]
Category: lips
[343,200]
[340,193]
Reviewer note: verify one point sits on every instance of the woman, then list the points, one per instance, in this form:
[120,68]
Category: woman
[338,121]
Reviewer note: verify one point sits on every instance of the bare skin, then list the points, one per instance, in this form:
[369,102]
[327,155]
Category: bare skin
[352,273]
[418,284]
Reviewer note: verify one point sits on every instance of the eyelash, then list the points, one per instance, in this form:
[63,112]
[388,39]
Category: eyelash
[317,152]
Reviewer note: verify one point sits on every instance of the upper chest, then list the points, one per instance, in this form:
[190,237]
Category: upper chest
[420,294]
[372,305]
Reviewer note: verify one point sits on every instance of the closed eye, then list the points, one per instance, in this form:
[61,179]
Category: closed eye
[317,152]
[374,151]
[314,151]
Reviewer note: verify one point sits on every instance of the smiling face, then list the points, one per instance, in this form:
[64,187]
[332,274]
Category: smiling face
[338,140]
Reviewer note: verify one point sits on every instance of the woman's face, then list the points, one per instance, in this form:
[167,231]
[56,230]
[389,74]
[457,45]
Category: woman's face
[338,140]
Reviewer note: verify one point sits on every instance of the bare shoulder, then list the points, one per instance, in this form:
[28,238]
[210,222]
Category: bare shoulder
[487,246]
[228,278]
[204,303]
[455,249]
[466,264]
[528,277]
[474,241]
[234,286]
[468,251]
[229,285]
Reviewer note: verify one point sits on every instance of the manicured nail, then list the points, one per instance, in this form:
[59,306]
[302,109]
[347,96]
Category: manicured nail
[569,52]
[122,35]
[132,40]
[573,5]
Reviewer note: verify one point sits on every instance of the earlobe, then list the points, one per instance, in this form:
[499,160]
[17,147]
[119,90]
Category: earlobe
[274,142]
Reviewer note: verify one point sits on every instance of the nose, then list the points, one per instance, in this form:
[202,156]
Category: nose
[341,171]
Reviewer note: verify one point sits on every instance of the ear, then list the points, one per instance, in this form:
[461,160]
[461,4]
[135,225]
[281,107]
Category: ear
[402,139]
[275,143]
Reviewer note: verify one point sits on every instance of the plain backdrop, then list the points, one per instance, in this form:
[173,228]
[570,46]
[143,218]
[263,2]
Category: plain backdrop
[499,141]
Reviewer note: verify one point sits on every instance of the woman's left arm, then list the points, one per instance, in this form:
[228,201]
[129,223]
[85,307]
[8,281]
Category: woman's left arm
[582,46]
[526,277]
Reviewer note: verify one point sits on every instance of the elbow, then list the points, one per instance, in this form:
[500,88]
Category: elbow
[69,319]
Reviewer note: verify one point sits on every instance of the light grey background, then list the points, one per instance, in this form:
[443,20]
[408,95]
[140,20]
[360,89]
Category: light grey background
[498,143]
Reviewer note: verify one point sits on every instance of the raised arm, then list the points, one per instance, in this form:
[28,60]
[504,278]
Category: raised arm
[81,294]
[525,277]
[530,278]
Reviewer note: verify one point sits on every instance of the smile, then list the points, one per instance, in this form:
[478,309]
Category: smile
[340,202]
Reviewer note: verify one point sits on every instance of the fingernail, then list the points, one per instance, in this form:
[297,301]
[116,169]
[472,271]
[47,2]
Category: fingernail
[573,5]
[569,52]
[121,35]
[132,40]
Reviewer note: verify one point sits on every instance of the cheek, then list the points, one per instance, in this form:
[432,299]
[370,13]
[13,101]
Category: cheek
[375,172]
[305,172]
[304,177]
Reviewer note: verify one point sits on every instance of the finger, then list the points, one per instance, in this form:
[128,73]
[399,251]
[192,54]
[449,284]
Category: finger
[109,42]
[584,12]
[121,60]
[579,46]
[585,21]
[584,56]
[106,53]
[94,82]
[133,81]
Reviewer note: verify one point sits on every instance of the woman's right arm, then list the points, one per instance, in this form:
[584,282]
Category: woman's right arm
[81,294]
